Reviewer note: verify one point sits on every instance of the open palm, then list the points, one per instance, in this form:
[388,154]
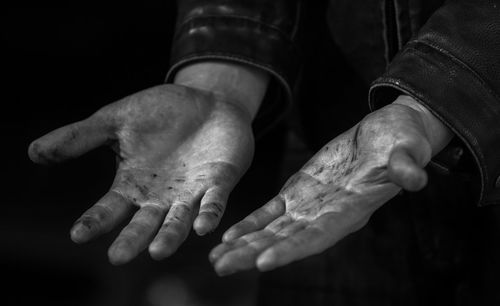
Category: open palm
[333,195]
[180,152]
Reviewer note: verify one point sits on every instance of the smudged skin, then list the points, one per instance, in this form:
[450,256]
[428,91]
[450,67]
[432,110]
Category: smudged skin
[180,152]
[336,192]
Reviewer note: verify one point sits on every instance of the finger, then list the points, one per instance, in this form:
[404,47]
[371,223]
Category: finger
[243,257]
[212,208]
[312,238]
[173,232]
[109,211]
[136,235]
[299,245]
[69,141]
[256,220]
[242,241]
[405,172]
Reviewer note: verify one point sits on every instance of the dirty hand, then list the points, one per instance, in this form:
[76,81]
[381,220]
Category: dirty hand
[337,191]
[180,152]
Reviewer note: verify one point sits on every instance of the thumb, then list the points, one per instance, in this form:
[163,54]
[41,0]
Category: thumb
[70,141]
[405,172]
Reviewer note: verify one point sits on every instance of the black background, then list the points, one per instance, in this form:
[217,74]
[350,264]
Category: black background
[59,65]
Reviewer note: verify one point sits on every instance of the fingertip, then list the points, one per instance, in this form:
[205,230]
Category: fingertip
[418,182]
[239,229]
[229,235]
[266,261]
[409,178]
[118,256]
[214,254]
[163,246]
[211,257]
[35,153]
[221,267]
[79,233]
[218,252]
[202,225]
[31,151]
[404,172]
[159,251]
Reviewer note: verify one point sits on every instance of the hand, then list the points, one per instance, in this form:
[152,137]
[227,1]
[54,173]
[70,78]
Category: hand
[337,191]
[180,152]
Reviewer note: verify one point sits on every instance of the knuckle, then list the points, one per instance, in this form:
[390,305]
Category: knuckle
[101,213]
[182,207]
[152,208]
[211,215]
[215,208]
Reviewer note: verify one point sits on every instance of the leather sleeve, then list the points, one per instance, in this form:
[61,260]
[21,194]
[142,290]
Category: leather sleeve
[259,33]
[453,68]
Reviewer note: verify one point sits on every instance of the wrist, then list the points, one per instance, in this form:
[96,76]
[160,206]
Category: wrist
[241,85]
[438,134]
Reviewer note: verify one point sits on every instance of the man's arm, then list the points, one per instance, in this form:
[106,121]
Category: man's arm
[338,189]
[240,84]
[449,77]
[179,147]
[452,68]
[259,33]
[185,145]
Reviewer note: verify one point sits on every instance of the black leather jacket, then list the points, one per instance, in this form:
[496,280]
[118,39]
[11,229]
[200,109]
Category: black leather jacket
[445,54]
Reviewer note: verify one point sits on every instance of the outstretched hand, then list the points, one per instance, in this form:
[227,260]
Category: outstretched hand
[338,190]
[180,152]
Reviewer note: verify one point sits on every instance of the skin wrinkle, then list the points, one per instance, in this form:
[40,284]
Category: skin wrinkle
[341,184]
[212,208]
[173,144]
[106,214]
[140,192]
[191,178]
[334,194]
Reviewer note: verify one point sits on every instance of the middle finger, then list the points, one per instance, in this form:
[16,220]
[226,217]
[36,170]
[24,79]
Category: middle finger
[137,234]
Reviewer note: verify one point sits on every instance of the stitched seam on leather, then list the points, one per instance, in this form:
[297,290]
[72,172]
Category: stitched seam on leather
[233,57]
[477,78]
[456,60]
[419,53]
[238,17]
[274,72]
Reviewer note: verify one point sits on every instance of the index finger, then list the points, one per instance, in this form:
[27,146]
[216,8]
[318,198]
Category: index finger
[257,220]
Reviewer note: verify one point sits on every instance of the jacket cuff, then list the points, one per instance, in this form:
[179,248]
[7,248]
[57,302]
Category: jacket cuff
[245,41]
[457,96]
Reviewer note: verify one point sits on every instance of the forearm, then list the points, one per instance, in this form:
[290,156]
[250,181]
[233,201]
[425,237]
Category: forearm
[242,85]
